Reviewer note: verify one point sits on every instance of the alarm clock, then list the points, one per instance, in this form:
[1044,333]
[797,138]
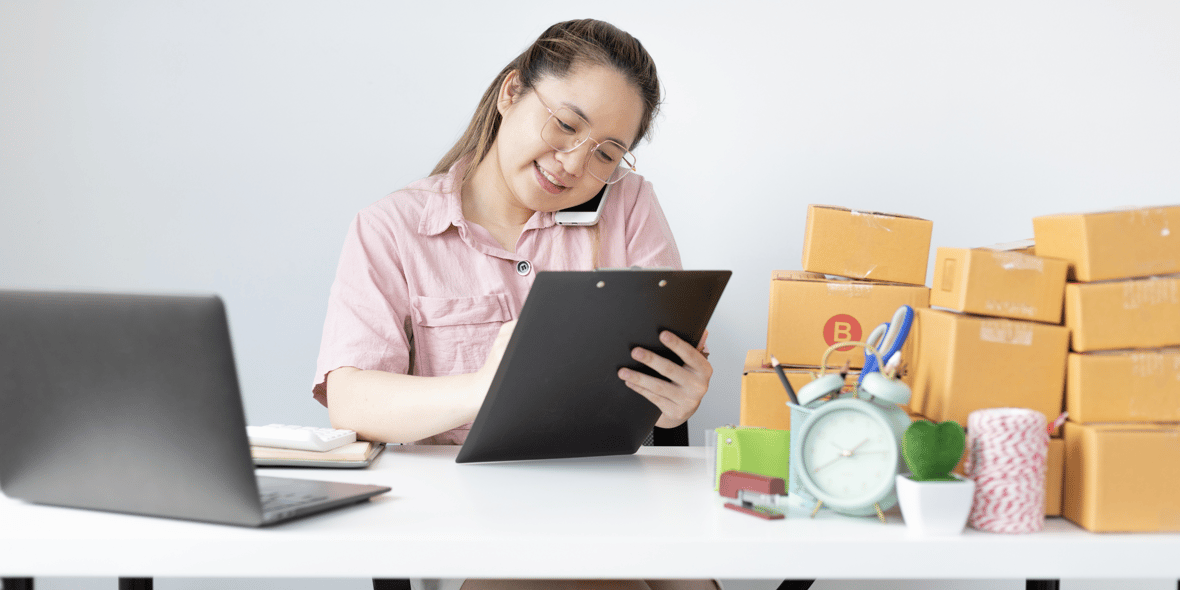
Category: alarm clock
[847,452]
[847,455]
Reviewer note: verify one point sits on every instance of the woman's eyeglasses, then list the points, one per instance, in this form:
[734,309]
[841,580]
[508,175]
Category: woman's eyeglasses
[566,131]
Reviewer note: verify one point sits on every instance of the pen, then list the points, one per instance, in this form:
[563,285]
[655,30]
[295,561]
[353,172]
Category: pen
[783,377]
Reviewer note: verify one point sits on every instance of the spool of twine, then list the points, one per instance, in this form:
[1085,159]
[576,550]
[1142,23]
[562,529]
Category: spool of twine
[1007,451]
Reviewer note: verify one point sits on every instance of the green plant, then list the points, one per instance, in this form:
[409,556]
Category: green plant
[932,450]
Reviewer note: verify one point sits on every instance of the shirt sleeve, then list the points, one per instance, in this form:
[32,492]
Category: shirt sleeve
[650,243]
[368,323]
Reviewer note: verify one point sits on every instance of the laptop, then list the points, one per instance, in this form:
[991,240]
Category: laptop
[556,393]
[130,403]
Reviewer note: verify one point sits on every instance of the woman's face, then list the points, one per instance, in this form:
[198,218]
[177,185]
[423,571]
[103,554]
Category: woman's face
[536,176]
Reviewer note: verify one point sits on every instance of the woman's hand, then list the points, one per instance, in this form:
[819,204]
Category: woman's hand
[680,396]
[485,374]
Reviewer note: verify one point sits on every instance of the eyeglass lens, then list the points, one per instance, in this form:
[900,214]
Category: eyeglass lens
[565,131]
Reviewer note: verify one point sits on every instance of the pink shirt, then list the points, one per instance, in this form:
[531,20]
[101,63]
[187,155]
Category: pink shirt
[421,291]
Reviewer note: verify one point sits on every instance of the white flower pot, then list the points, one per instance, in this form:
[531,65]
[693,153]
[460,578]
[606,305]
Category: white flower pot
[935,507]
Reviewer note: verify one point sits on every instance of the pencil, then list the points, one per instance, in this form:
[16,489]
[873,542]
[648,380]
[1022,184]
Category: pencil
[783,377]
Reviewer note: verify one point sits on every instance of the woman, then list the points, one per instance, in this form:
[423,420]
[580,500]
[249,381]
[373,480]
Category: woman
[431,277]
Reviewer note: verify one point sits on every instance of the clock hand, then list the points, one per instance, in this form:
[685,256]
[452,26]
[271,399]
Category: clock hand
[848,452]
[865,454]
[838,457]
[845,453]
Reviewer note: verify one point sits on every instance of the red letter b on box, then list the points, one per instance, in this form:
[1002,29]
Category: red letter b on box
[842,328]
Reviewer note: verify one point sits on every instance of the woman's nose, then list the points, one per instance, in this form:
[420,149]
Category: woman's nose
[574,161]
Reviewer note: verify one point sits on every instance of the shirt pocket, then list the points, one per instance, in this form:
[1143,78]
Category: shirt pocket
[453,334]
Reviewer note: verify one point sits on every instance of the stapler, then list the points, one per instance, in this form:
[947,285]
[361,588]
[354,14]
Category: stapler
[756,495]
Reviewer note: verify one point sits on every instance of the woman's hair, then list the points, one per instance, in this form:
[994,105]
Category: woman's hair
[561,48]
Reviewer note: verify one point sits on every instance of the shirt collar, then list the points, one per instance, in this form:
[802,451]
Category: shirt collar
[447,210]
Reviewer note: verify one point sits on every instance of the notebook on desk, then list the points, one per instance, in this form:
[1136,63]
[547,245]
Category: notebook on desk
[130,403]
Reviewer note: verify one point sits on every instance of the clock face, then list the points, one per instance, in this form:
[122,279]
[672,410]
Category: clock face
[849,455]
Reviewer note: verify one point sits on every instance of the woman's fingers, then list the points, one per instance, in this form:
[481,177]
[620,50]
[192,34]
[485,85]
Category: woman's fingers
[679,394]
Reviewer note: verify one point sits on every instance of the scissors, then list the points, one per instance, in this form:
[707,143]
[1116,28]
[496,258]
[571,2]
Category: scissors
[887,339]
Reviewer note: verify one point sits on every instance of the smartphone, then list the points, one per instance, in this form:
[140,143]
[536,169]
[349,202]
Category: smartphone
[585,214]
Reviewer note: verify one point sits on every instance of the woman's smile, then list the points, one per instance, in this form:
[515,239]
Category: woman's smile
[547,180]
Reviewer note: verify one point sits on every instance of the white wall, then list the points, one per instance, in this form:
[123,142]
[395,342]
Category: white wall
[223,146]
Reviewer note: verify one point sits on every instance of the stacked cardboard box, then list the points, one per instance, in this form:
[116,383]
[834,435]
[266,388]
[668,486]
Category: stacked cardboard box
[859,267]
[810,313]
[1123,377]
[866,245]
[997,341]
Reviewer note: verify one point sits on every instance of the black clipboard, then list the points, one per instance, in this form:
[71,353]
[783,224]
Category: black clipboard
[557,393]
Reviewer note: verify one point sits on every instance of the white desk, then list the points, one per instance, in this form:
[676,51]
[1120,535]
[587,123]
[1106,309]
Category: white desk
[650,515]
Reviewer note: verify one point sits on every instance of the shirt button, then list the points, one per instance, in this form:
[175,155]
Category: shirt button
[523,267]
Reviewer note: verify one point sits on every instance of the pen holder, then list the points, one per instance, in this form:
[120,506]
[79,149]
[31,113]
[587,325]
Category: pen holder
[796,495]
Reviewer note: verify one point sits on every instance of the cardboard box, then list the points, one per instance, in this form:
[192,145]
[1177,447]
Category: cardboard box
[1124,386]
[1113,244]
[999,283]
[866,245]
[1143,313]
[1122,477]
[1027,246]
[1054,476]
[967,363]
[764,401]
[809,313]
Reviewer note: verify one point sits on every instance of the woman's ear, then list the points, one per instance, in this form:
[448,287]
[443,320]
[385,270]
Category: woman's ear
[510,91]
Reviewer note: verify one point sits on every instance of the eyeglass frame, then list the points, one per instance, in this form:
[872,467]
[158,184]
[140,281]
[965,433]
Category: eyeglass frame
[597,144]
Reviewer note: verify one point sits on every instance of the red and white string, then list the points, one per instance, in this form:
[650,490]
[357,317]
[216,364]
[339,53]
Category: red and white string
[1008,449]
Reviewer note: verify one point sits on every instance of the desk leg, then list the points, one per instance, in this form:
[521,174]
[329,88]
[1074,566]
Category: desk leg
[1042,584]
[795,584]
[135,584]
[16,584]
[383,584]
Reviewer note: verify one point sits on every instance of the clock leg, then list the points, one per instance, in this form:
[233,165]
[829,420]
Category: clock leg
[880,515]
[818,504]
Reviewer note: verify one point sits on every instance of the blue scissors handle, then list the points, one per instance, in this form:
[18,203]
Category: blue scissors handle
[888,339]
